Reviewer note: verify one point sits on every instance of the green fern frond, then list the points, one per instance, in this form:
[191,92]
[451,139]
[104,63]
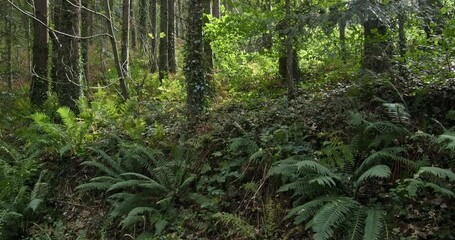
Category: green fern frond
[127,184]
[135,215]
[239,226]
[331,216]
[67,116]
[378,171]
[103,186]
[243,146]
[101,167]
[397,112]
[438,172]
[446,141]
[356,226]
[328,181]
[306,211]
[314,166]
[374,223]
[380,157]
[113,163]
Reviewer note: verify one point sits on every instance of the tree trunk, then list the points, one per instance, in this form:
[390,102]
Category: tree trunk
[125,36]
[171,32]
[153,53]
[55,44]
[289,54]
[68,86]
[9,46]
[40,84]
[194,67]
[377,50]
[343,49]
[208,53]
[118,64]
[163,58]
[133,26]
[143,24]
[85,43]
[402,43]
[216,12]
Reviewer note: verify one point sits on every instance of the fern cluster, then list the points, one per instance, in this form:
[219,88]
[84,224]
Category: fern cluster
[335,203]
[17,198]
[142,184]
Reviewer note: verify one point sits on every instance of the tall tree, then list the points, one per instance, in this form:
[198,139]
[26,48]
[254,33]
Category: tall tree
[86,22]
[194,67]
[68,85]
[377,52]
[290,63]
[40,84]
[133,27]
[216,11]
[118,63]
[153,37]
[143,23]
[9,45]
[208,53]
[171,32]
[163,54]
[125,36]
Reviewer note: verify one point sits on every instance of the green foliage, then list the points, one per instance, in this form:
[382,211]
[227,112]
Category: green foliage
[238,227]
[143,185]
[23,190]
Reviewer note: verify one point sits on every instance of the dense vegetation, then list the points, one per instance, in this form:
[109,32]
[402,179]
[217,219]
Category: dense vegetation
[200,119]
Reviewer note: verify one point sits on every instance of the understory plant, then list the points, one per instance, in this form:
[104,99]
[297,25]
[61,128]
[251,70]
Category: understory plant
[353,201]
[145,186]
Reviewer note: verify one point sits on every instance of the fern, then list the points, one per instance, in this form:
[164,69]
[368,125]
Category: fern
[141,183]
[374,224]
[378,171]
[238,227]
[438,172]
[330,217]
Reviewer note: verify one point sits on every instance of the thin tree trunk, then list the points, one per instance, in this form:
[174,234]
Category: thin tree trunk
[289,54]
[208,53]
[9,46]
[171,32]
[133,27]
[40,84]
[153,52]
[118,64]
[85,43]
[55,44]
[216,12]
[125,36]
[343,49]
[377,50]
[163,55]
[194,69]
[143,24]
[402,43]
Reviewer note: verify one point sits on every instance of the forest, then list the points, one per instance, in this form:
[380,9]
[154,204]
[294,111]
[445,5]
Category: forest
[227,119]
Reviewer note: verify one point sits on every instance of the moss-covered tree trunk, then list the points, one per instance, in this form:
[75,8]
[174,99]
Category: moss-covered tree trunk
[153,38]
[68,72]
[163,57]
[40,82]
[171,39]
[194,67]
[377,49]
[143,24]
